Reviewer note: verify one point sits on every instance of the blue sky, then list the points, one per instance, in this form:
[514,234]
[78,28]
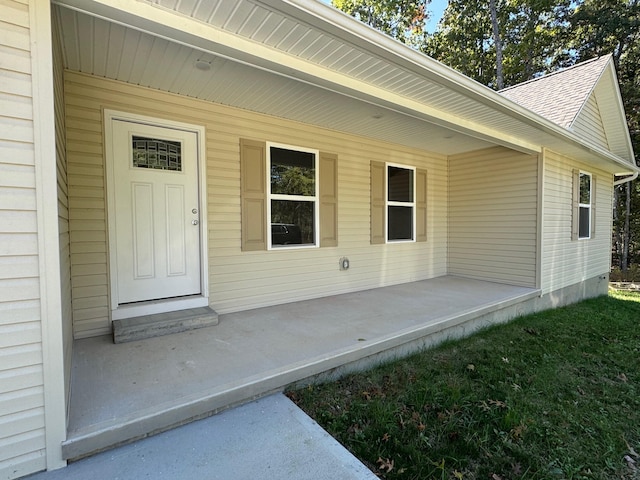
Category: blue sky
[436,7]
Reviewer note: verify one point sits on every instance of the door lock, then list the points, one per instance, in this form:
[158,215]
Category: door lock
[194,211]
[194,222]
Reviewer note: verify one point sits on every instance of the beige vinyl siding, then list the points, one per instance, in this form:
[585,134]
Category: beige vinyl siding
[566,261]
[241,280]
[589,124]
[22,440]
[493,216]
[63,208]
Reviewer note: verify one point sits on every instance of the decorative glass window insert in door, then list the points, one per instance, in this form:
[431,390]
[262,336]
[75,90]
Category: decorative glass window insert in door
[157,154]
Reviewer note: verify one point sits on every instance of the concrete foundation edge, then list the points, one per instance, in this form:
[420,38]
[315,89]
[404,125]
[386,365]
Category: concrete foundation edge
[590,288]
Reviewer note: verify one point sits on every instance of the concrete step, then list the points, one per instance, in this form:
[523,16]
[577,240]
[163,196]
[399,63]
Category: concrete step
[149,326]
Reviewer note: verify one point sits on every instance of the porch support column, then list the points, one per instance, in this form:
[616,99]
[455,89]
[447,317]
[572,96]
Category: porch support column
[48,234]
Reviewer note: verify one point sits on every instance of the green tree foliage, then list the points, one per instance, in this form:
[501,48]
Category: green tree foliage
[532,34]
[463,39]
[403,20]
[600,27]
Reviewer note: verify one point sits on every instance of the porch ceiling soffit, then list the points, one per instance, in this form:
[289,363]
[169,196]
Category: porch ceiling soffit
[395,81]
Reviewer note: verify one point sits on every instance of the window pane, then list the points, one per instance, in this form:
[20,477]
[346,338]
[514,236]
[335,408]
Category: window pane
[585,189]
[292,222]
[585,222]
[400,181]
[292,172]
[400,223]
[157,154]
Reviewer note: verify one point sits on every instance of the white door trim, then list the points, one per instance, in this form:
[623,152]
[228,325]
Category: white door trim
[166,305]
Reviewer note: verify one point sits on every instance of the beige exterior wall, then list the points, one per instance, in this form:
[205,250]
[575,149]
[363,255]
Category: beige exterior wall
[22,432]
[564,261]
[493,216]
[589,123]
[242,280]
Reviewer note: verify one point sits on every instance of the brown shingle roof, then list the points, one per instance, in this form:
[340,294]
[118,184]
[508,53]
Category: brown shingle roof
[559,96]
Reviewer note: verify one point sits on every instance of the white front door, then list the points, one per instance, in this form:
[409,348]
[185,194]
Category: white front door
[157,212]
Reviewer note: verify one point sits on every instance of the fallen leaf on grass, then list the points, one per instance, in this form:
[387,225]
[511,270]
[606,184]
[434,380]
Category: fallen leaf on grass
[623,378]
[471,367]
[496,477]
[385,465]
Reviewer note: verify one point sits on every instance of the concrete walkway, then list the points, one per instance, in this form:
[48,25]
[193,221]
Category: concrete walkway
[270,438]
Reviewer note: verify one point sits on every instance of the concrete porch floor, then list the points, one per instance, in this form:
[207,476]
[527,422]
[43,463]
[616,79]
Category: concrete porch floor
[128,391]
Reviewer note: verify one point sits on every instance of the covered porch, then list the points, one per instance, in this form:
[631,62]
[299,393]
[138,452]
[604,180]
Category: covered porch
[127,391]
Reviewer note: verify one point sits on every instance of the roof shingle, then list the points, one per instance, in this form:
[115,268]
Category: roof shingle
[559,96]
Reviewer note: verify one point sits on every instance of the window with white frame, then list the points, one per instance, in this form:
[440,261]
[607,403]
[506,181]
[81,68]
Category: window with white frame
[292,206]
[584,225]
[401,203]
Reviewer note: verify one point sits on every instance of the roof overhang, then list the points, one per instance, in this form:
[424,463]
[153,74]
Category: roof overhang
[440,96]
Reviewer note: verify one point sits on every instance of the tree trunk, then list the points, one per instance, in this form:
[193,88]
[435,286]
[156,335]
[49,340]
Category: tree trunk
[498,44]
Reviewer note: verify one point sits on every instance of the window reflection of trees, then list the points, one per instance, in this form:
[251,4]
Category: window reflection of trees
[293,173]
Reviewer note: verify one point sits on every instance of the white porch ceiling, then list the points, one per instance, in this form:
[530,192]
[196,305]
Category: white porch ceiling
[106,49]
[305,61]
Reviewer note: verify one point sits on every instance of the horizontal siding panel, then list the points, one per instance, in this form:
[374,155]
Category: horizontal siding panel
[13,106]
[17,289]
[589,124]
[22,400]
[14,358]
[18,267]
[15,60]
[15,83]
[18,244]
[17,176]
[493,218]
[19,312]
[21,378]
[15,153]
[23,465]
[17,221]
[16,129]
[13,449]
[16,13]
[19,334]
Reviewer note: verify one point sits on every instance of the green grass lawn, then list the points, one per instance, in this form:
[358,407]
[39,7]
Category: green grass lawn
[554,395]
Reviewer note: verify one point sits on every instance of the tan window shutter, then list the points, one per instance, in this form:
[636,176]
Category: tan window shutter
[575,206]
[421,205]
[378,214]
[593,206]
[253,186]
[328,166]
